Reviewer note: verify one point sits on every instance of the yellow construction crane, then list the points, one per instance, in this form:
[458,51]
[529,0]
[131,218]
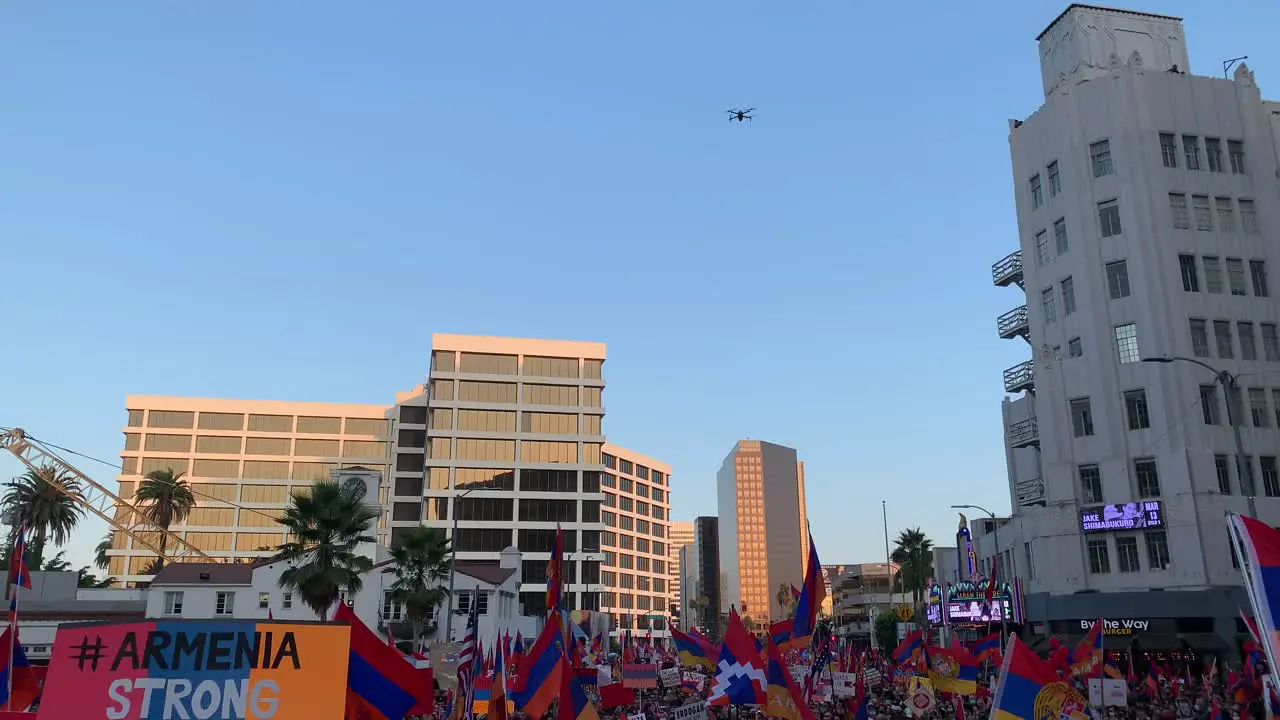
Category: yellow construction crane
[100,501]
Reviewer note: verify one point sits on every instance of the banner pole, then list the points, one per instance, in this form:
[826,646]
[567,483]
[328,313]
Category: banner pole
[13,643]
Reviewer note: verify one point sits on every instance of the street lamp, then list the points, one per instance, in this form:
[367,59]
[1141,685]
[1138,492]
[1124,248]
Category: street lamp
[1228,383]
[453,556]
[995,537]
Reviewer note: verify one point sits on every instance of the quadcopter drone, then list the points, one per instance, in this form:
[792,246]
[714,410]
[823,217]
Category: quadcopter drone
[740,115]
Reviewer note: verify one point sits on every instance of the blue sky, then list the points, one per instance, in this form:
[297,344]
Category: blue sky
[284,200]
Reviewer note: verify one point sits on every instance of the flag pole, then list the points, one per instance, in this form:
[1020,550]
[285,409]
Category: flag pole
[13,643]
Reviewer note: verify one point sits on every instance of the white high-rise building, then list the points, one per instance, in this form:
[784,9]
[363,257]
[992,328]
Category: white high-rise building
[1148,213]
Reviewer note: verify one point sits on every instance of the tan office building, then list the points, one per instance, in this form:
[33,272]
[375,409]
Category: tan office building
[759,489]
[507,442]
[243,458]
[681,534]
[637,518]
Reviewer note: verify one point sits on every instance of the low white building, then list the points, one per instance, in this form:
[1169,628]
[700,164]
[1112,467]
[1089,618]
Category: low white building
[253,591]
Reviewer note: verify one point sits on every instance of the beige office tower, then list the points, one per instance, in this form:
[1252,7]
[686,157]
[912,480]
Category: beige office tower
[804,520]
[681,534]
[506,445]
[637,519]
[758,492]
[243,459]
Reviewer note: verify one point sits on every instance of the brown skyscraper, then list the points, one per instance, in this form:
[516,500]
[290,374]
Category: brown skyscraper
[759,489]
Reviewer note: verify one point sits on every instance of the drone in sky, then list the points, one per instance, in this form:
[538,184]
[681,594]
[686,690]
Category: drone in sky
[740,115]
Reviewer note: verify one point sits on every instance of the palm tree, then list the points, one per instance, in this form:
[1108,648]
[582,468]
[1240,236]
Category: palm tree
[421,565]
[164,498]
[326,526]
[100,558]
[786,601]
[913,553]
[41,500]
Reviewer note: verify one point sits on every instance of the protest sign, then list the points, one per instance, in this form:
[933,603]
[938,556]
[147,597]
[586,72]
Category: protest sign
[669,677]
[234,670]
[692,711]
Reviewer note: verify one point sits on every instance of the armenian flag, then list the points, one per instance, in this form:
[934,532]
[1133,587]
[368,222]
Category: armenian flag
[1086,659]
[574,704]
[812,594]
[953,670]
[19,570]
[16,670]
[555,573]
[1260,545]
[379,681]
[987,647]
[1028,689]
[909,649]
[538,681]
[692,652]
[782,697]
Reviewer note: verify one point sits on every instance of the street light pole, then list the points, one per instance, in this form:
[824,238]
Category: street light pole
[1229,383]
[453,557]
[995,537]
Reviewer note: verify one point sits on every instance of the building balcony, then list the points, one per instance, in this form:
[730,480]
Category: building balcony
[1008,270]
[1029,492]
[1015,323]
[1020,377]
[1024,434]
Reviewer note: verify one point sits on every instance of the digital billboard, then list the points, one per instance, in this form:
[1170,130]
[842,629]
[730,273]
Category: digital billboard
[1130,516]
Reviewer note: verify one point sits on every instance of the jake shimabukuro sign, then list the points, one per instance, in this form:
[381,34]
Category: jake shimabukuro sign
[1129,626]
[1130,516]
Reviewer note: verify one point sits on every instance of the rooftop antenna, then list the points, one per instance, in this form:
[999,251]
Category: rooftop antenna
[1227,65]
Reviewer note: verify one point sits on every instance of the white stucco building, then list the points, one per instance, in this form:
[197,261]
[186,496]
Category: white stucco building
[1148,214]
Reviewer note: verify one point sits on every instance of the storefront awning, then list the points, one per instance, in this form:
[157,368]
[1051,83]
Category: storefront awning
[1206,642]
[1159,641]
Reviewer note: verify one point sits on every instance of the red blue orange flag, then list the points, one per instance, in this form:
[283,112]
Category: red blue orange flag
[782,696]
[497,709]
[16,671]
[987,646]
[574,704]
[555,574]
[812,594]
[910,649]
[692,652]
[1086,659]
[380,684]
[538,680]
[1027,689]
[1260,546]
[19,571]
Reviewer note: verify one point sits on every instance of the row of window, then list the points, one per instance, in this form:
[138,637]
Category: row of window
[1203,213]
[642,527]
[627,581]
[639,507]
[501,421]
[630,542]
[630,468]
[627,485]
[1226,342]
[1260,413]
[493,479]
[529,540]
[544,451]
[1212,153]
[1102,164]
[246,469]
[512,393]
[254,445]
[638,563]
[1237,280]
[628,601]
[302,424]
[224,603]
[1128,559]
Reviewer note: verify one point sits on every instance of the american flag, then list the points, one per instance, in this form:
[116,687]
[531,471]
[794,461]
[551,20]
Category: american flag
[469,660]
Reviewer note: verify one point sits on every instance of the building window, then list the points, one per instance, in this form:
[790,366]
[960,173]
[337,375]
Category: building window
[1259,413]
[1248,344]
[1055,181]
[1109,217]
[1212,274]
[1074,348]
[1060,235]
[1127,343]
[1213,154]
[1178,208]
[1135,405]
[1191,150]
[1190,276]
[1081,417]
[1235,277]
[286,601]
[1169,150]
[1226,214]
[1127,554]
[1248,217]
[1199,337]
[1209,405]
[1037,193]
[1118,279]
[1043,256]
[264,601]
[1235,148]
[1090,484]
[1157,550]
[173,603]
[1100,154]
[1222,338]
[224,603]
[1270,476]
[1258,273]
[1144,469]
[1222,468]
[1068,296]
[1270,342]
[1099,558]
[1050,305]
[1204,215]
[392,611]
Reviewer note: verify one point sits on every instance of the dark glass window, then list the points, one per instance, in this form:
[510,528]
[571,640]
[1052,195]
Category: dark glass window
[549,480]
[484,540]
[485,509]
[548,510]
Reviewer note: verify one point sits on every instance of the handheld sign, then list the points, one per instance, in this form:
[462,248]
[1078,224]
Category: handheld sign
[228,670]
